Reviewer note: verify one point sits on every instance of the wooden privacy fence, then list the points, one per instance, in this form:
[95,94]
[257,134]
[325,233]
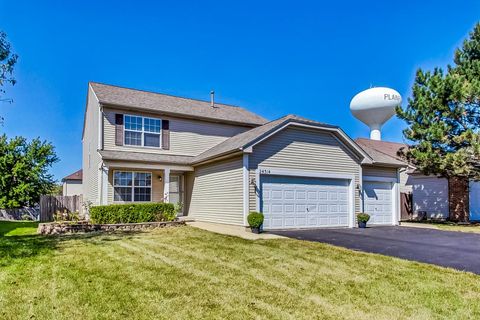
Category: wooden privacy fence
[406,206]
[49,205]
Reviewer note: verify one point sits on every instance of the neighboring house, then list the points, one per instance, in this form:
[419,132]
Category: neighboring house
[72,184]
[429,193]
[223,161]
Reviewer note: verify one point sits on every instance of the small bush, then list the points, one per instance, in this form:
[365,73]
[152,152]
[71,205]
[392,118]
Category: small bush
[363,217]
[132,213]
[27,217]
[255,219]
[60,216]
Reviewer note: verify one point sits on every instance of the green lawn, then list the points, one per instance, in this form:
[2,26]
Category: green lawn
[18,228]
[181,273]
[450,226]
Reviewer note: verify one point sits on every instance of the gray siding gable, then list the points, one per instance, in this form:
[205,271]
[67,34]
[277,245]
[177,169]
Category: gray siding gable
[306,150]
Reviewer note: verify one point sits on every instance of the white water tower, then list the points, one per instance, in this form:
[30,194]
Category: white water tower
[374,107]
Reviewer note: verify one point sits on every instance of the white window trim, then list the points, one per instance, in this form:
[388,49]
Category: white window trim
[132,186]
[142,132]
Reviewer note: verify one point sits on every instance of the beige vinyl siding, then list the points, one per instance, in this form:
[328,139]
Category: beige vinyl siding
[217,192]
[376,171]
[157,185]
[187,137]
[90,157]
[405,184]
[306,150]
[72,188]
[189,180]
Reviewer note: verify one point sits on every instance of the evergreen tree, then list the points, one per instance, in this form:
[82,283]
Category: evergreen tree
[443,118]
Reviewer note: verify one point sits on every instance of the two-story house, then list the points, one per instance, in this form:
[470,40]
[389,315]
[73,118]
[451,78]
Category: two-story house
[223,161]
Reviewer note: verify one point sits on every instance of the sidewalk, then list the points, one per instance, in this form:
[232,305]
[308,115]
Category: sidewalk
[237,231]
[418,225]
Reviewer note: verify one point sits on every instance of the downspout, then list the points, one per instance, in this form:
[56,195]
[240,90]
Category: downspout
[100,146]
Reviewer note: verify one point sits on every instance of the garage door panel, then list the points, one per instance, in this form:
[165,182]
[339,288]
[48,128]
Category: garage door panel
[289,195]
[316,203]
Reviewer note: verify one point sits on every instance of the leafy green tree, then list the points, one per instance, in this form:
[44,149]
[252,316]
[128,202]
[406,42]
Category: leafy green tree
[24,171]
[8,59]
[443,122]
[57,190]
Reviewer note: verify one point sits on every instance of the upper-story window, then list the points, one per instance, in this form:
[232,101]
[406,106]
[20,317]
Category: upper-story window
[142,131]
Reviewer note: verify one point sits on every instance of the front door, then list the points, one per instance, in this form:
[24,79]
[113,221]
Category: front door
[176,190]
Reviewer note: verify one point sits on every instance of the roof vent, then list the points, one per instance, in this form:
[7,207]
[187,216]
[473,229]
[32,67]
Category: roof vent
[212,99]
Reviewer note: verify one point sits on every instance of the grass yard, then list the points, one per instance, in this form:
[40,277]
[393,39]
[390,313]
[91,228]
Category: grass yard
[182,273]
[475,228]
[18,228]
[449,226]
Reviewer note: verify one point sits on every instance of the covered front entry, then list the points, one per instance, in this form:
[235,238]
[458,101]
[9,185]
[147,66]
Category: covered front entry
[304,202]
[378,201]
[124,182]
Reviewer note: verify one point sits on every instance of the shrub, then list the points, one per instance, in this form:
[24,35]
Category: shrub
[66,216]
[255,219]
[363,217]
[27,217]
[132,213]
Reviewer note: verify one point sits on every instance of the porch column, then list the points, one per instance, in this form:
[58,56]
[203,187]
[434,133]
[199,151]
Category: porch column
[166,185]
[104,185]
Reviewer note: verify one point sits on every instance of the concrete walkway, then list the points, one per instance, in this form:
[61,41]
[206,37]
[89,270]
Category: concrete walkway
[229,230]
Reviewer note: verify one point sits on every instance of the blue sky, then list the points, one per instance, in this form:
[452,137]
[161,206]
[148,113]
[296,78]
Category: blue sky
[274,58]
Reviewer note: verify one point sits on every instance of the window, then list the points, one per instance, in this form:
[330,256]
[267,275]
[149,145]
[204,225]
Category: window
[142,131]
[132,186]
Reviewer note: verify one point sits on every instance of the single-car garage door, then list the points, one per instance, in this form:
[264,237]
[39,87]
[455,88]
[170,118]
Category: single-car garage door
[297,202]
[378,202]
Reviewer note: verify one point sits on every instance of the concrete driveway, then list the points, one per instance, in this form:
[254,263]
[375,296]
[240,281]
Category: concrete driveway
[457,250]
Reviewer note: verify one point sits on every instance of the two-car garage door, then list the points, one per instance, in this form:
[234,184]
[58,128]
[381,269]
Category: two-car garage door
[298,202]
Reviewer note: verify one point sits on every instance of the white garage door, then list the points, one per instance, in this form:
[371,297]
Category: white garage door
[297,202]
[378,202]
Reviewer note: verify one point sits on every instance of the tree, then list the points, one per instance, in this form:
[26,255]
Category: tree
[8,59]
[443,122]
[57,190]
[24,171]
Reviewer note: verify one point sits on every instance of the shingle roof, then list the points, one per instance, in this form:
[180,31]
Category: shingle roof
[145,157]
[77,175]
[382,152]
[175,106]
[242,140]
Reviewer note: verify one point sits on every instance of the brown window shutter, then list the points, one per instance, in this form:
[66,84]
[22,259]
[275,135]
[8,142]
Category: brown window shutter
[119,129]
[165,134]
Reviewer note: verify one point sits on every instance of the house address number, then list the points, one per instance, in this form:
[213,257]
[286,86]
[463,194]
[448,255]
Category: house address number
[264,171]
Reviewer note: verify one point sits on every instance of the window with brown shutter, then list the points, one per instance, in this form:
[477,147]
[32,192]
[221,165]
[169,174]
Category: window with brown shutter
[165,134]
[119,129]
